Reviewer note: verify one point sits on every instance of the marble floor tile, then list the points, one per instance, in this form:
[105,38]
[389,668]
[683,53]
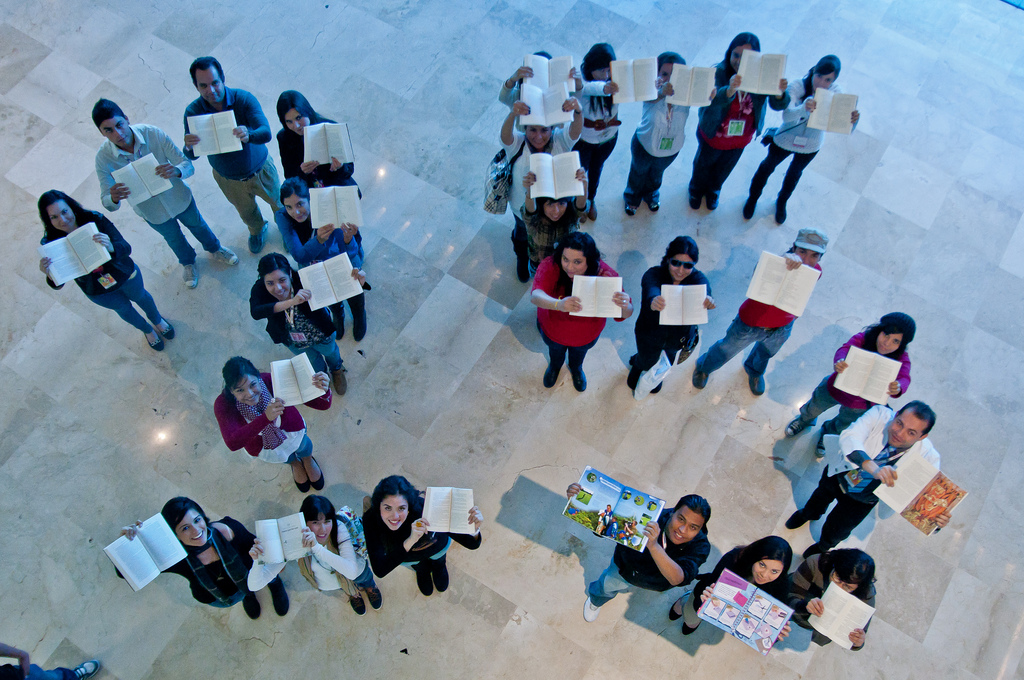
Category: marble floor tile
[53,87]
[908,187]
[20,56]
[36,172]
[990,166]
[1013,258]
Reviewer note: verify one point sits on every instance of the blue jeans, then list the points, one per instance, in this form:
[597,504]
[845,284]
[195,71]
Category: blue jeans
[607,586]
[767,342]
[305,450]
[121,300]
[822,400]
[324,353]
[365,579]
[645,173]
[195,223]
[557,352]
[37,673]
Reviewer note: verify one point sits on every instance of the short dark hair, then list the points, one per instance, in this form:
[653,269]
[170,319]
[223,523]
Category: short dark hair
[49,198]
[104,109]
[697,504]
[894,322]
[234,370]
[741,39]
[922,411]
[396,485]
[681,245]
[852,566]
[767,548]
[313,506]
[272,262]
[205,64]
[175,510]
[294,185]
[670,58]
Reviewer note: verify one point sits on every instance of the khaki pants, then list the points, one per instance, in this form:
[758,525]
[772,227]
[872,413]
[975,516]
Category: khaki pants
[242,194]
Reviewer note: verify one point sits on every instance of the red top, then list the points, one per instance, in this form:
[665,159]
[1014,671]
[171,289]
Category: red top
[760,315]
[571,331]
[851,401]
[238,434]
[740,109]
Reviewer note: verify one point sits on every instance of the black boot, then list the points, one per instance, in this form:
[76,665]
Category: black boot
[338,313]
[522,259]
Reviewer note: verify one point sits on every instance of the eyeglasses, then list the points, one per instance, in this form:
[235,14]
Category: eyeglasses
[679,263]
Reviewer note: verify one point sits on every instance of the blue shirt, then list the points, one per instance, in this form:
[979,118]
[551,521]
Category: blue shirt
[242,164]
[312,250]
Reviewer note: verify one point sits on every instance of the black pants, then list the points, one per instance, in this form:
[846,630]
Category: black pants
[649,349]
[776,154]
[711,167]
[592,158]
[843,519]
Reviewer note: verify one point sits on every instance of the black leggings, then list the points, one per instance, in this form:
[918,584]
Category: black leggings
[776,154]
[592,158]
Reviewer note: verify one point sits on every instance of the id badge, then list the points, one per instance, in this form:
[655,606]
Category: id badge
[107,281]
[297,337]
[736,128]
[666,143]
[854,477]
[800,142]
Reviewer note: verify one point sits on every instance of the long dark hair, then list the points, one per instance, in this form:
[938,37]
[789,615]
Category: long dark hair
[894,322]
[175,510]
[851,566]
[293,99]
[680,245]
[272,262]
[576,240]
[598,57]
[294,186]
[234,370]
[826,65]
[82,216]
[396,485]
[767,548]
[741,39]
[313,506]
[569,217]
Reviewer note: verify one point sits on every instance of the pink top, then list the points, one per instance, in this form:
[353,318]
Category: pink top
[849,400]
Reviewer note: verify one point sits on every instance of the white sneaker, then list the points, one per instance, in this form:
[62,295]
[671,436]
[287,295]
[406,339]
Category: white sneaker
[87,669]
[590,612]
[226,256]
[190,276]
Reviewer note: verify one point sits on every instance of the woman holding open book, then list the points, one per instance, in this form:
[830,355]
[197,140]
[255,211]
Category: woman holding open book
[296,114]
[548,219]
[575,255]
[308,245]
[252,418]
[397,534]
[793,137]
[849,569]
[337,560]
[765,563]
[678,268]
[117,282]
[889,338]
[217,559]
[600,117]
[729,123]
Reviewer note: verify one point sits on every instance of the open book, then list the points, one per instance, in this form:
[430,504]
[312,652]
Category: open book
[761,73]
[545,104]
[154,549]
[216,133]
[684,305]
[921,493]
[141,179]
[867,375]
[745,611]
[281,538]
[447,509]
[330,281]
[548,72]
[635,78]
[844,614]
[595,293]
[692,85]
[832,112]
[74,255]
[335,205]
[323,140]
[293,380]
[556,175]
[774,284]
[613,510]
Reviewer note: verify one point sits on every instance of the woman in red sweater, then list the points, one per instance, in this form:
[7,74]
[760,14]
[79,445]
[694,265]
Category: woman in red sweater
[250,417]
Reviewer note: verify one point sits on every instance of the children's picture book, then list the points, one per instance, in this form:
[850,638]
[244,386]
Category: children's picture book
[330,281]
[74,255]
[595,293]
[921,492]
[323,141]
[775,284]
[843,614]
[745,611]
[141,179]
[216,133]
[613,510]
[692,85]
[293,380]
[868,375]
[154,548]
[684,305]
[447,509]
[761,73]
[281,539]
[636,80]
[832,112]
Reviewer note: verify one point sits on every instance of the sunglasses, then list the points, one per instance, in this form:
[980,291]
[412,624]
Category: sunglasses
[679,263]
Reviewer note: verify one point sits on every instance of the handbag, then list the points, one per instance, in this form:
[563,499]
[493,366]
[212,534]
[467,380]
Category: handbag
[652,377]
[770,133]
[498,183]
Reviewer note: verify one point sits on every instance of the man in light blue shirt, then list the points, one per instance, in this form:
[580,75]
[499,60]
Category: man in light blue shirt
[164,211]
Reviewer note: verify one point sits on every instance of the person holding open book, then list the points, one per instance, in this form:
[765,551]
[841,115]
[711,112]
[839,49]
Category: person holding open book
[575,255]
[114,284]
[296,114]
[278,297]
[765,326]
[765,563]
[252,418]
[308,246]
[850,570]
[217,559]
[548,219]
[600,117]
[397,534]
[888,338]
[729,123]
[338,560]
[793,137]
[678,268]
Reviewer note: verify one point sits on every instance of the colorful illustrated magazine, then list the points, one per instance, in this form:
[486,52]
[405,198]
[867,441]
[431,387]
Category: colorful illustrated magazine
[612,510]
[745,611]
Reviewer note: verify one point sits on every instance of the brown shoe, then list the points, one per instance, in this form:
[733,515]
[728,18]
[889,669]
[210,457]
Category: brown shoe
[339,381]
[358,606]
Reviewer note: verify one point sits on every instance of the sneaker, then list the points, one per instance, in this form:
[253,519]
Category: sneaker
[756,383]
[251,606]
[374,596]
[86,670]
[190,275]
[226,256]
[424,582]
[590,612]
[279,596]
[256,240]
[630,209]
[440,575]
[358,606]
[655,206]
[819,449]
[579,380]
[339,381]
[700,378]
[694,202]
[796,426]
[796,520]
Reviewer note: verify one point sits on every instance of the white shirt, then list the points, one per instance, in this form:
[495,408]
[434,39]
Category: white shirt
[656,130]
[869,434]
[561,142]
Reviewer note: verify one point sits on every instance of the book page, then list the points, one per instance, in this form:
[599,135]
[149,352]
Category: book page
[750,71]
[437,507]
[867,375]
[146,169]
[323,209]
[461,504]
[913,474]
[304,378]
[694,312]
[204,127]
[883,371]
[841,115]
[563,168]
[90,253]
[843,614]
[133,561]
[269,537]
[163,546]
[672,315]
[541,165]
[318,283]
[559,69]
[314,144]
[286,384]
[819,117]
[595,292]
[290,529]
[545,105]
[129,177]
[339,271]
[541,78]
[225,125]
[339,142]
[796,290]
[349,209]
[64,263]
[681,81]
[622,75]
[768,276]
[773,69]
[645,75]
[702,87]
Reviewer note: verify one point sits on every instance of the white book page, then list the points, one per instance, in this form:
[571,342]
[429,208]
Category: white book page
[559,69]
[163,546]
[843,614]
[349,209]
[622,75]
[645,73]
[840,118]
[796,289]
[90,253]
[339,271]
[146,169]
[304,378]
[437,507]
[133,561]
[129,177]
[269,537]
[596,295]
[913,473]
[318,283]
[545,105]
[867,375]
[672,315]
[541,165]
[702,87]
[541,71]
[225,125]
[768,276]
[339,142]
[286,385]
[314,144]
[323,209]
[749,70]
[694,312]
[564,167]
[819,117]
[290,529]
[204,127]
[773,69]
[461,503]
[681,81]
[64,263]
